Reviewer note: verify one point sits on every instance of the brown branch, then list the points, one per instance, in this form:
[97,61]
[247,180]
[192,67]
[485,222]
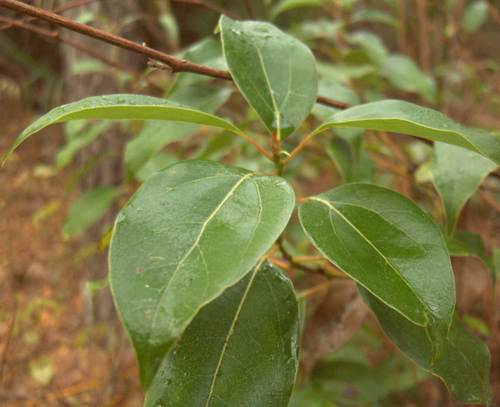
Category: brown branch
[90,51]
[250,9]
[210,6]
[175,64]
[57,10]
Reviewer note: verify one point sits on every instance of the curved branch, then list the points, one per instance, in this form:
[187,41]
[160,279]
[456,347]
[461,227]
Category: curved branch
[175,64]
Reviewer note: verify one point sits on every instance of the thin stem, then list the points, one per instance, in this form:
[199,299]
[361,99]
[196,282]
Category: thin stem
[293,264]
[90,51]
[175,64]
[257,146]
[298,148]
[57,10]
[308,258]
[313,290]
[210,6]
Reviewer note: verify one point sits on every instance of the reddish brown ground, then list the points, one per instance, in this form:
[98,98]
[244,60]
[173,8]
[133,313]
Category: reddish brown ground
[41,308]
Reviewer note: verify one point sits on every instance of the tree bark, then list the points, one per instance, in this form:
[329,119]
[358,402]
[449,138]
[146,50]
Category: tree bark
[109,170]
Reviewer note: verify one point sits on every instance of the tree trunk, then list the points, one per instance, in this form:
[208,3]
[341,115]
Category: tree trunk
[109,170]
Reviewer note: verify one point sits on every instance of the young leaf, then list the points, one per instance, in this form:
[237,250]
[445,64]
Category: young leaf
[157,134]
[88,209]
[192,230]
[285,5]
[123,107]
[371,43]
[275,72]
[471,244]
[406,75]
[386,243]
[464,363]
[403,117]
[206,52]
[241,348]
[475,15]
[342,154]
[80,140]
[457,173]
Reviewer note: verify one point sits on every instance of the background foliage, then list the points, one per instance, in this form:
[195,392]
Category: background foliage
[365,52]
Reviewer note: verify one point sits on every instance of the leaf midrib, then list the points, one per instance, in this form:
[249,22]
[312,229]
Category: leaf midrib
[378,251]
[237,314]
[349,123]
[195,244]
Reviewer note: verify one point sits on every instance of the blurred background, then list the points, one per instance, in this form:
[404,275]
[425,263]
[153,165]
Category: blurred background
[61,343]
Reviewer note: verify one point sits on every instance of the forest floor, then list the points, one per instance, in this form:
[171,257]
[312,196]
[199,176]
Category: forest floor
[49,355]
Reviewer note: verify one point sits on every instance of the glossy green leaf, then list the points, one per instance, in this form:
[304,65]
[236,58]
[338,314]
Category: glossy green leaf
[475,14]
[403,117]
[285,5]
[275,72]
[123,107]
[464,362]
[457,173]
[240,350]
[386,243]
[406,75]
[89,209]
[157,134]
[471,244]
[192,230]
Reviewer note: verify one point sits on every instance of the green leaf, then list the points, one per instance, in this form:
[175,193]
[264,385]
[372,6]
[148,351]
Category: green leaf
[457,173]
[403,117]
[471,244]
[341,92]
[206,52]
[387,244]
[275,72]
[66,154]
[475,15]
[96,285]
[342,154]
[405,75]
[285,5]
[89,209]
[192,230]
[240,350]
[374,15]
[464,363]
[370,43]
[355,383]
[124,106]
[157,134]
[158,162]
